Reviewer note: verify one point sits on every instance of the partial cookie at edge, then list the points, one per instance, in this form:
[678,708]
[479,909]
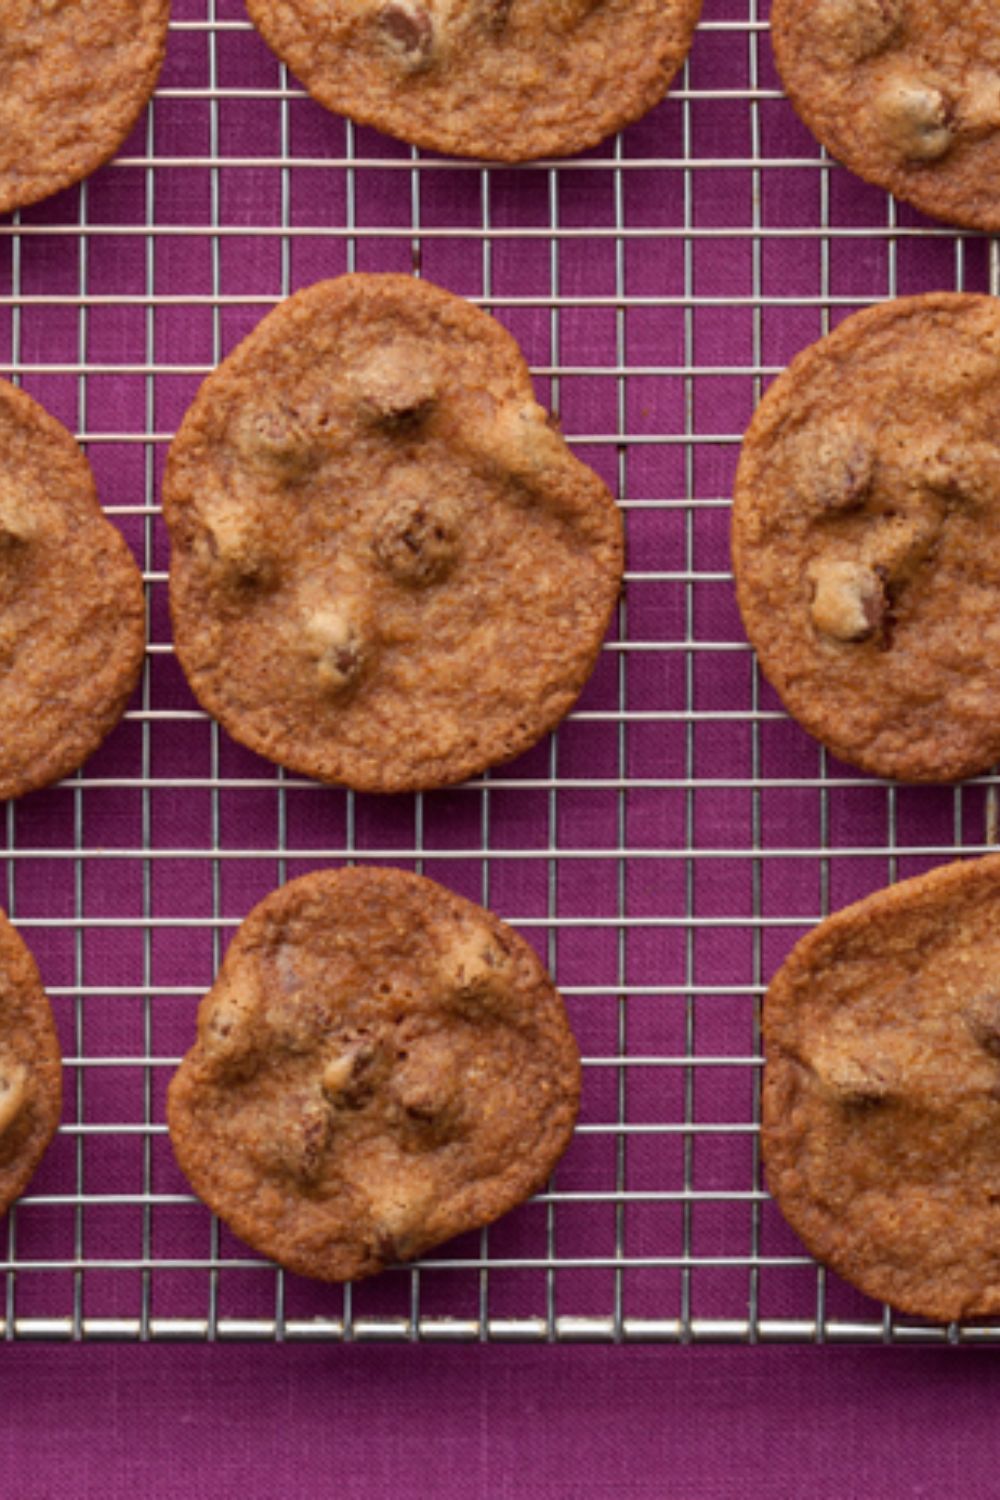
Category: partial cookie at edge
[72,628]
[76,78]
[30,1067]
[881,1097]
[905,93]
[505,79]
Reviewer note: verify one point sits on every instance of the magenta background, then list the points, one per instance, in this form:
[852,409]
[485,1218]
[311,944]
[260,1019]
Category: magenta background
[739,833]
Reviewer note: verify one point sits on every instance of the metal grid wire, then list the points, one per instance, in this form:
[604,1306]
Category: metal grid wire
[663,849]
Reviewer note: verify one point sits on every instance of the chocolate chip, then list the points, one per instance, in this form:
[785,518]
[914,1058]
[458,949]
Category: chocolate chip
[836,467]
[915,116]
[347,1078]
[497,13]
[239,551]
[854,480]
[383,1247]
[13,1094]
[336,636]
[850,601]
[278,442]
[408,25]
[857,29]
[416,538]
[347,659]
[315,1139]
[396,389]
[857,1082]
[981,1015]
[228,1034]
[399,415]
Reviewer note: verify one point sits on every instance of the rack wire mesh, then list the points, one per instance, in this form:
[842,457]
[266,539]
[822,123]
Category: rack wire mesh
[662,850]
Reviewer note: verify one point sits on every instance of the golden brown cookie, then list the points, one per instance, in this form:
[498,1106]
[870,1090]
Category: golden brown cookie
[380,1065]
[904,92]
[72,628]
[866,537]
[507,79]
[30,1067]
[76,76]
[881,1105]
[387,568]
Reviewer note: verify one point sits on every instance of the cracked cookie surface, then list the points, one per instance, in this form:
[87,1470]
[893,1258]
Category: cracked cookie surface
[881,1100]
[76,76]
[387,568]
[904,92]
[380,1065]
[72,626]
[506,79]
[865,514]
[30,1067]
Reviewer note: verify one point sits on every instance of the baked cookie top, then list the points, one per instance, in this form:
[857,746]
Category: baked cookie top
[506,79]
[30,1067]
[76,76]
[881,1102]
[865,537]
[380,1065]
[72,627]
[387,568]
[904,92]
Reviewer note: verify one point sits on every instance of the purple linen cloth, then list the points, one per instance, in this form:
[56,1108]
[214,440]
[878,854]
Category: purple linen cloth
[91,1423]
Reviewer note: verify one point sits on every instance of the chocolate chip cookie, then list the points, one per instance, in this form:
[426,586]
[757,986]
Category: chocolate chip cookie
[507,79]
[76,76]
[380,1065]
[904,92]
[30,1067]
[72,627]
[881,1104]
[387,568]
[866,537]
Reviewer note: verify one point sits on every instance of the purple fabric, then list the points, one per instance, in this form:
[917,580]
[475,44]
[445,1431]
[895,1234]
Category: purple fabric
[497,1424]
[675,745]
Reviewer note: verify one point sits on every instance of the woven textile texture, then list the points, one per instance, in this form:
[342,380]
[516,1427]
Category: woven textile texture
[498,1423]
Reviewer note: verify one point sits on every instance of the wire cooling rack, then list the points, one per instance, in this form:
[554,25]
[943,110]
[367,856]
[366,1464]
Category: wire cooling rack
[663,850]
